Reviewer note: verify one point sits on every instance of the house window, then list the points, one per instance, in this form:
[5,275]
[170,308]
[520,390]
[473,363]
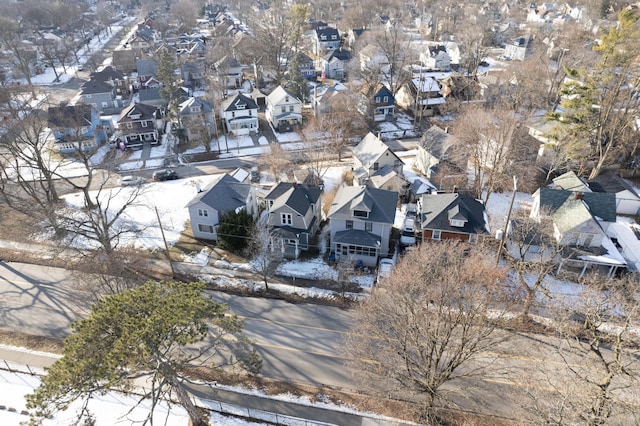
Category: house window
[360,213]
[435,234]
[205,228]
[286,218]
[144,123]
[129,125]
[203,212]
[291,108]
[473,239]
[386,99]
[457,223]
[349,224]
[233,114]
[105,105]
[283,109]
[376,166]
[377,98]
[368,226]
[88,96]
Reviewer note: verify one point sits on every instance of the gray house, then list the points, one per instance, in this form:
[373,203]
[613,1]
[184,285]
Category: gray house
[435,146]
[221,196]
[102,96]
[294,215]
[361,218]
[371,155]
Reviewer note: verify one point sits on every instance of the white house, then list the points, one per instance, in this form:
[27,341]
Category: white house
[240,114]
[284,109]
[370,156]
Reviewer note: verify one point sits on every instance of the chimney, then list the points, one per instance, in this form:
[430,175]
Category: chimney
[578,196]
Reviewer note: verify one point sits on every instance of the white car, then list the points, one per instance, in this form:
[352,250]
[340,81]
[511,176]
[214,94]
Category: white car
[131,180]
[384,268]
[408,236]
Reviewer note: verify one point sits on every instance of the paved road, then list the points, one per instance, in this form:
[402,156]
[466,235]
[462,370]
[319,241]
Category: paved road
[298,342]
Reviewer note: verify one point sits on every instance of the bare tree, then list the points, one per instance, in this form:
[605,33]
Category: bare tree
[276,160]
[599,354]
[266,249]
[424,326]
[532,252]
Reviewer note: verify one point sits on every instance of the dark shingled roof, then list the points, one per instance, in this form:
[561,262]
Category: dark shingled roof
[224,195]
[380,203]
[298,197]
[600,204]
[611,182]
[438,209]
[69,116]
[357,237]
[231,104]
[94,86]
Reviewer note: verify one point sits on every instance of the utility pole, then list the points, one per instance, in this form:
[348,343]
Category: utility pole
[166,246]
[506,224]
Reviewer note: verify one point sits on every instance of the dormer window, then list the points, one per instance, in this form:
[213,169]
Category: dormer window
[457,223]
[195,108]
[241,105]
[323,37]
[361,213]
[333,37]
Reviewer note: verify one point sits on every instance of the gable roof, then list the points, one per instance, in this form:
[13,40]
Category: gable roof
[611,182]
[146,112]
[380,203]
[298,197]
[150,94]
[438,209]
[280,94]
[69,116]
[598,204]
[233,103]
[184,106]
[94,86]
[370,149]
[382,90]
[328,32]
[571,182]
[108,73]
[224,195]
[436,141]
[339,54]
[227,62]
[384,175]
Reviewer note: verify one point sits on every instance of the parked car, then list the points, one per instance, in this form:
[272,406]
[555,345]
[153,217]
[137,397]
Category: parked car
[165,174]
[384,269]
[408,235]
[131,180]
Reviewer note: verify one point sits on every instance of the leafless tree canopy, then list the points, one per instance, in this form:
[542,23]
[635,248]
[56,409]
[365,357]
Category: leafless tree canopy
[422,326]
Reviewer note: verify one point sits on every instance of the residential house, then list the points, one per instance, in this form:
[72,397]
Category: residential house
[75,125]
[451,216]
[436,145]
[380,105]
[388,178]
[370,156]
[240,114]
[102,96]
[152,96]
[361,218]
[139,124]
[223,195]
[197,118]
[325,39]
[306,66]
[335,63]
[194,74]
[420,95]
[435,58]
[519,48]
[229,72]
[295,212]
[372,59]
[324,95]
[580,223]
[114,77]
[627,197]
[284,109]
[353,35]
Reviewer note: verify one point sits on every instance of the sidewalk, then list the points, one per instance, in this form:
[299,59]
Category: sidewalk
[212,396]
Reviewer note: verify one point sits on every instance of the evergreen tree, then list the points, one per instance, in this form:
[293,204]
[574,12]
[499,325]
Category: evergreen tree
[297,83]
[145,331]
[235,230]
